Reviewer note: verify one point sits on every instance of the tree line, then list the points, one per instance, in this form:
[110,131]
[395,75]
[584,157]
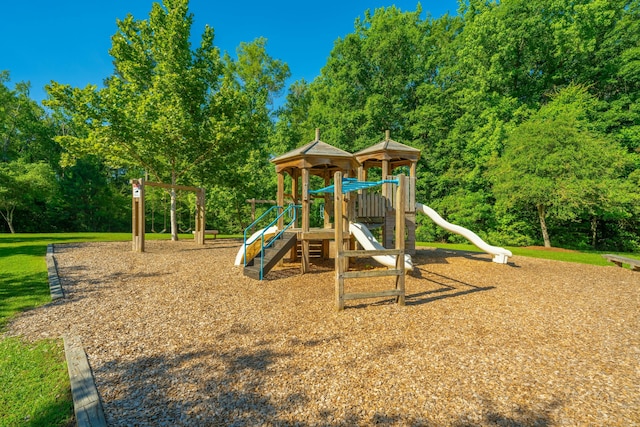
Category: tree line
[526,112]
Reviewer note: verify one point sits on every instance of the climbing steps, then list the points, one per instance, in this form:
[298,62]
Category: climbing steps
[264,261]
[315,249]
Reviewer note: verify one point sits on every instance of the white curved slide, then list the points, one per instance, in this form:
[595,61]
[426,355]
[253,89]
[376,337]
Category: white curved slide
[369,243]
[253,244]
[500,255]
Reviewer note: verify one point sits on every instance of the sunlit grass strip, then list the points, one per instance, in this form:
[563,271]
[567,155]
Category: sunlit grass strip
[593,258]
[35,384]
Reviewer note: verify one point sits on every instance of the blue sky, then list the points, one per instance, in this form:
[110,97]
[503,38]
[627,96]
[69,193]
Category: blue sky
[68,41]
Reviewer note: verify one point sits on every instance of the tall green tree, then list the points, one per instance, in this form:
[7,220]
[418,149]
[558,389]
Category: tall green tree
[25,130]
[22,185]
[557,165]
[167,108]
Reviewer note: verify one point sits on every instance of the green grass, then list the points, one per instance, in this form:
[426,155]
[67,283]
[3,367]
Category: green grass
[594,258]
[35,384]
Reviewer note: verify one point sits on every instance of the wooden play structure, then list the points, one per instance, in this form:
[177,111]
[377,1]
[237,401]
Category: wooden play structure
[138,211]
[344,251]
[346,198]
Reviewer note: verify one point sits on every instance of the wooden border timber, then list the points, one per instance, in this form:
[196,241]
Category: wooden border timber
[86,400]
[87,406]
[138,211]
[55,288]
[343,255]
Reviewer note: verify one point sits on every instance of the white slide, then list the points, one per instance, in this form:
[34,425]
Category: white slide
[253,244]
[500,255]
[369,243]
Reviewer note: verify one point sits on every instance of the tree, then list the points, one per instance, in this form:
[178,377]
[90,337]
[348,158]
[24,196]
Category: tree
[556,164]
[25,130]
[23,184]
[167,109]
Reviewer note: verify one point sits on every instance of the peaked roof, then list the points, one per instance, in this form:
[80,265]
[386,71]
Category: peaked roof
[388,145]
[314,148]
[393,151]
[316,155]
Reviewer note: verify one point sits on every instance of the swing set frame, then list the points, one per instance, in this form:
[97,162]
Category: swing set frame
[138,211]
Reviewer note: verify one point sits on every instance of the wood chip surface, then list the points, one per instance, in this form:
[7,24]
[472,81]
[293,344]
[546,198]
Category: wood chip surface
[177,336]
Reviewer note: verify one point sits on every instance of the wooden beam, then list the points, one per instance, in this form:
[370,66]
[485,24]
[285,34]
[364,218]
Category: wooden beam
[370,253]
[86,401]
[371,273]
[365,295]
[339,242]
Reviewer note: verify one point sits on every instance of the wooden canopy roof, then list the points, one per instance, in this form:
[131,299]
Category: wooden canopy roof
[395,152]
[317,156]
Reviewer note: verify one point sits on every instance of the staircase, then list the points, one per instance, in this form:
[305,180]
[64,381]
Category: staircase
[258,267]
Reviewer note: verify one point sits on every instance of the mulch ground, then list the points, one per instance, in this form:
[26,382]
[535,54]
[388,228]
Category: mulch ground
[178,336]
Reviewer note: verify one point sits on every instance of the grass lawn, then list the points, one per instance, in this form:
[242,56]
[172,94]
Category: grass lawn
[594,258]
[35,387]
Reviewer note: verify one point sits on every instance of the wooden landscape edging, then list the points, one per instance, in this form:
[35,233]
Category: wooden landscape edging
[86,401]
[87,406]
[55,288]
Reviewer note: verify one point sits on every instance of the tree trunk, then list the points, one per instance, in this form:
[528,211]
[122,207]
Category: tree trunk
[174,219]
[542,213]
[594,231]
[8,217]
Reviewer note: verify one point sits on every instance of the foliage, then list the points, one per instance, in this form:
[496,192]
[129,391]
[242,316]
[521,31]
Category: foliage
[25,131]
[23,185]
[554,164]
[169,109]
[459,88]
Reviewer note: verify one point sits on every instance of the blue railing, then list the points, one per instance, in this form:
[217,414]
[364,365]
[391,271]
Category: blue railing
[290,211]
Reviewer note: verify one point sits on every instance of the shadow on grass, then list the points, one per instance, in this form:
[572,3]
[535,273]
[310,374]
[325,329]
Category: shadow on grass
[30,250]
[45,239]
[20,292]
[58,413]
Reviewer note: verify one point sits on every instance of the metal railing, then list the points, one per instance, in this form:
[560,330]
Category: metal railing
[266,242]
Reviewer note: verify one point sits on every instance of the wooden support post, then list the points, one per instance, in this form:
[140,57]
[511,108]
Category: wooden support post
[137,215]
[338,225]
[253,208]
[280,198]
[306,211]
[400,192]
[200,217]
[294,197]
[386,195]
[327,214]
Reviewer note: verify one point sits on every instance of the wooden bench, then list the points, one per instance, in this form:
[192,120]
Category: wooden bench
[211,232]
[619,260]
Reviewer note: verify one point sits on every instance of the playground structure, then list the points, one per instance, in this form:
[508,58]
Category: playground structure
[138,211]
[351,207]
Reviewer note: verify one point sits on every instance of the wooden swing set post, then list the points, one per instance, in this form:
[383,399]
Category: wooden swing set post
[138,214]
